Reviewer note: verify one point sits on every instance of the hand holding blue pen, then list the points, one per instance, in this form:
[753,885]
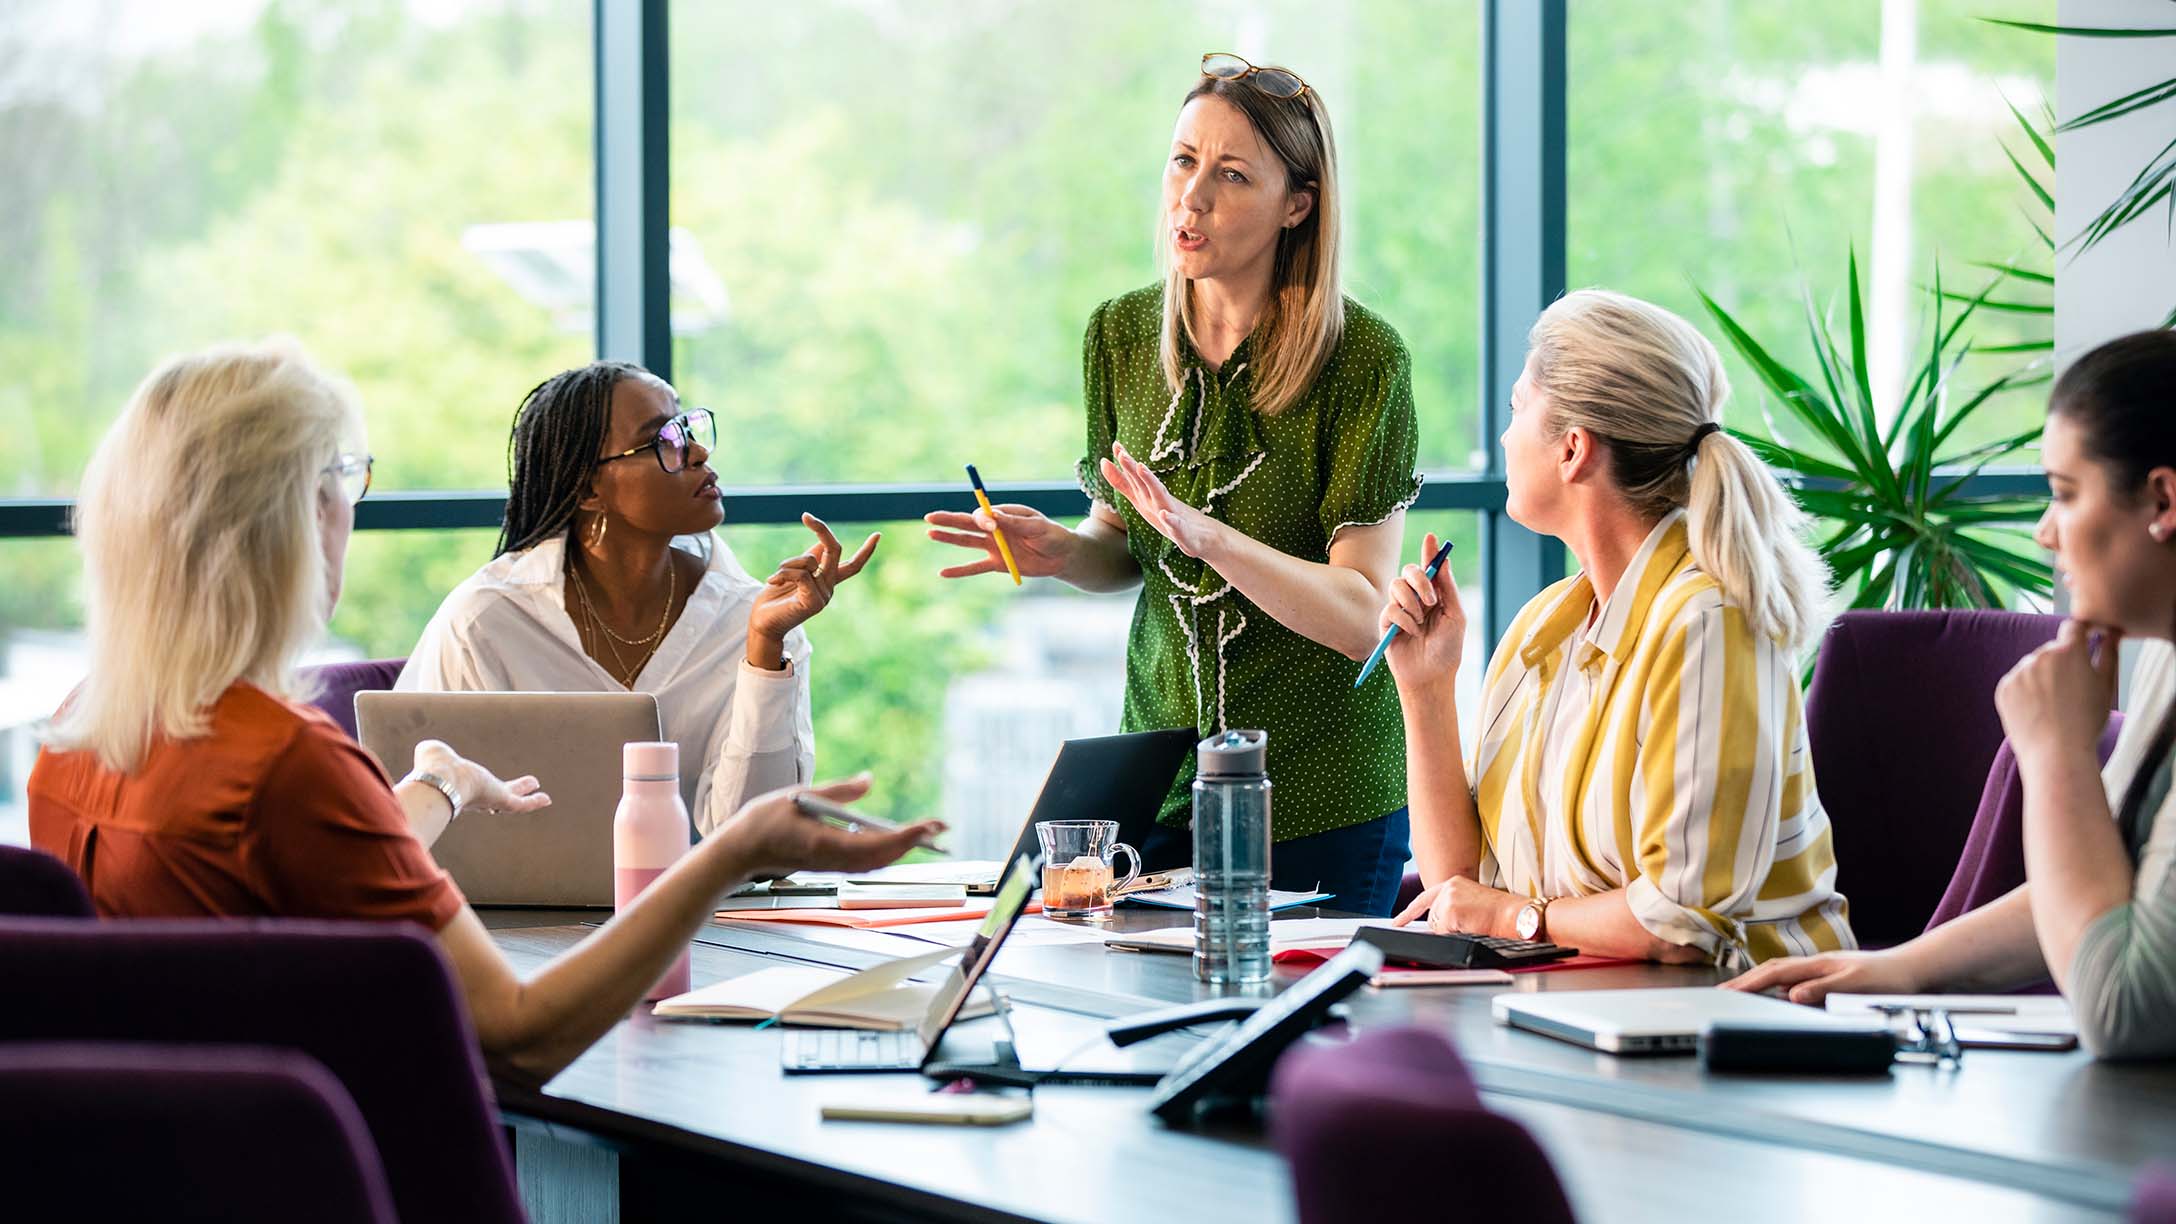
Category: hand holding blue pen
[1435,564]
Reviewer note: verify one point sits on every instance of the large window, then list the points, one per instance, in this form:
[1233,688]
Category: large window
[889,227]
[891,222]
[1742,148]
[404,187]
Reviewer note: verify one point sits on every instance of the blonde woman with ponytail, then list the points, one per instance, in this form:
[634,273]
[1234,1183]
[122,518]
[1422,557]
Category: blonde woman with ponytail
[1640,785]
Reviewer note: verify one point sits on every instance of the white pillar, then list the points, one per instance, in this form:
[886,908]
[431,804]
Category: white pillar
[2128,282]
[1888,283]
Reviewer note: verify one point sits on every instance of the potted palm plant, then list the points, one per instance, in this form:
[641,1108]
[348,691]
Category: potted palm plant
[1900,524]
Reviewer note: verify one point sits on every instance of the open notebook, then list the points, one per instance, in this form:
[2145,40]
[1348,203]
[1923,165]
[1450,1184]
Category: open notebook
[878,998]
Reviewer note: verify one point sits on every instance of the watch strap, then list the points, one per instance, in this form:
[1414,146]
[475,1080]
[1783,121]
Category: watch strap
[444,787]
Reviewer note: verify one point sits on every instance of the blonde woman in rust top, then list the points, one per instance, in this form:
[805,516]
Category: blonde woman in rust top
[186,778]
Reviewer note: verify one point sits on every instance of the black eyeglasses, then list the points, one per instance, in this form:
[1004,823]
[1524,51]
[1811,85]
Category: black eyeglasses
[1276,82]
[353,472]
[1923,1034]
[695,426]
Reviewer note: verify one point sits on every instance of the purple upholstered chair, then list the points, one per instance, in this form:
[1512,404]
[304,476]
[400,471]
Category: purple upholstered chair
[1901,718]
[1993,862]
[1355,1122]
[121,1131]
[35,884]
[375,1003]
[2154,1200]
[337,684]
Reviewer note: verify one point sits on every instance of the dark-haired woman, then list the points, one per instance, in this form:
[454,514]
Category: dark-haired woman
[607,578]
[2098,911]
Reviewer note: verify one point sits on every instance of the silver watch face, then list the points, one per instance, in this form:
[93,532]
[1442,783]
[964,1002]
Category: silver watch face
[1529,921]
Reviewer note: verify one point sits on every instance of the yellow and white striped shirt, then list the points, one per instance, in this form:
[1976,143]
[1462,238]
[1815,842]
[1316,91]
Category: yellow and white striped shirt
[1661,751]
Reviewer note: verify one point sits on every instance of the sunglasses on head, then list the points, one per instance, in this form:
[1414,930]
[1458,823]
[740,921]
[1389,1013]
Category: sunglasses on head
[1276,82]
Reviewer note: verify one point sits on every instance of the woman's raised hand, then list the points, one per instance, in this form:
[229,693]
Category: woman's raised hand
[803,585]
[1040,546]
[1194,532]
[1431,621]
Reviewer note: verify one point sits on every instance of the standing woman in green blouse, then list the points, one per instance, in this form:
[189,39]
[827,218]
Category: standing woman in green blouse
[1250,458]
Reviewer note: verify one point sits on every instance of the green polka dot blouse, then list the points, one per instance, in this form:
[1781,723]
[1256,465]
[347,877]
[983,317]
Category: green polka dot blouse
[1200,653]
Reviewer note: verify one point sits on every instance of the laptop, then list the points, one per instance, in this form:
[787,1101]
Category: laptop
[1110,777]
[819,1051]
[1661,1021]
[558,857]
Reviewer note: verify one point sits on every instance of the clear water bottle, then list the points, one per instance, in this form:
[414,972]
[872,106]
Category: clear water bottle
[1231,858]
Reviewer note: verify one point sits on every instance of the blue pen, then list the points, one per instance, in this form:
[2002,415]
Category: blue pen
[1433,565]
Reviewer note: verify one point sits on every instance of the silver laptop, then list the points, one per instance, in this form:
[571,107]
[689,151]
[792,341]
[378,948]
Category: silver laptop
[1663,1021]
[560,856]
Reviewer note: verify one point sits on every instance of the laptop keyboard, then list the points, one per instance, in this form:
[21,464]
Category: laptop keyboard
[851,1050]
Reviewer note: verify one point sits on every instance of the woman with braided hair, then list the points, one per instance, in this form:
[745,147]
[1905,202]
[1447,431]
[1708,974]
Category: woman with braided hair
[607,577]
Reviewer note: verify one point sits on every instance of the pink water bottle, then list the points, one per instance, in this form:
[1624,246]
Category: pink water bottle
[649,834]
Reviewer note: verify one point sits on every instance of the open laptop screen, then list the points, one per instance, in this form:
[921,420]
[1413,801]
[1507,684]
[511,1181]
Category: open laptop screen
[1012,897]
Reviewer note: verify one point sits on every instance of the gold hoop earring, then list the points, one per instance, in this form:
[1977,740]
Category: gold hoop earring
[596,531]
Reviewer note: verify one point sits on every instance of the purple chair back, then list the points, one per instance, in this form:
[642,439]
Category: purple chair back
[246,1134]
[1409,889]
[375,1003]
[1901,719]
[35,884]
[2154,1200]
[1993,862]
[337,684]
[1359,1123]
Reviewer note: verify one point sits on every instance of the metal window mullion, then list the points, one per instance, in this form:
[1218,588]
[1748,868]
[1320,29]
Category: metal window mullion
[634,287]
[1522,259]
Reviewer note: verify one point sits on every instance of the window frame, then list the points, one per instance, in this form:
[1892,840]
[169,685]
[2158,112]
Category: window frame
[1522,237]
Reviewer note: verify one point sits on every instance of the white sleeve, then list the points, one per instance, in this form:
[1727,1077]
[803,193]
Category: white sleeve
[443,660]
[766,740]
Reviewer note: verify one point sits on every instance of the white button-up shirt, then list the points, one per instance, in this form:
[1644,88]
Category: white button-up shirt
[742,730]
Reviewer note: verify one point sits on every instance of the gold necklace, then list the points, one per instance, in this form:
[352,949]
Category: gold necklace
[672,592]
[624,675]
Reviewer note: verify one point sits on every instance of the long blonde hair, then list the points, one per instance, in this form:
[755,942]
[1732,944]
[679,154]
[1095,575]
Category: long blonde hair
[1305,315]
[198,520]
[1645,382]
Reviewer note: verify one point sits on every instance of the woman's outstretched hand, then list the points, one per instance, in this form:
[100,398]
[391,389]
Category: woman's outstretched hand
[1193,531]
[1040,546]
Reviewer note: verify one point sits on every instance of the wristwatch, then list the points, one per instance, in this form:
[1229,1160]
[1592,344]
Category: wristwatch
[453,799]
[1533,918]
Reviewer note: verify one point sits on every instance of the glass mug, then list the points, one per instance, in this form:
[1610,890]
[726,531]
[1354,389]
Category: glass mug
[1077,873]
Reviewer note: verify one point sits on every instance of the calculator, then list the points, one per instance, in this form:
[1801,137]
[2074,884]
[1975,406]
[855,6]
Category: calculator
[1459,951]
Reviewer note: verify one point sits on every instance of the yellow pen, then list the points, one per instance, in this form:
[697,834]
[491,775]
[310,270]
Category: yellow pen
[1003,549]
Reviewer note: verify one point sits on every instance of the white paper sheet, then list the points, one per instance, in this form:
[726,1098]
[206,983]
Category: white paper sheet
[2005,1013]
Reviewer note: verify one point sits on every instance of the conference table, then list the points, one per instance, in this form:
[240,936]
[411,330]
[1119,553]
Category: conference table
[662,1118]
